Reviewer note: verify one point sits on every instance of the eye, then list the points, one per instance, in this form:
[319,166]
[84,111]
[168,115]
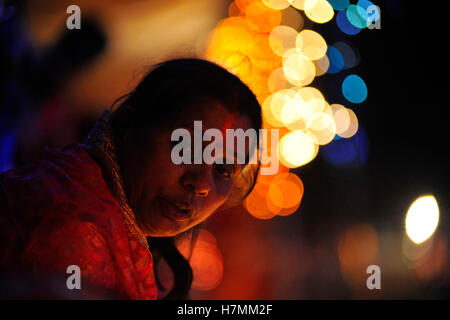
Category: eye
[224,171]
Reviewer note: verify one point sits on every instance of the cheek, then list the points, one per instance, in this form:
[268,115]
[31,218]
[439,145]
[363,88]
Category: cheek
[216,199]
[223,190]
[162,174]
[158,173]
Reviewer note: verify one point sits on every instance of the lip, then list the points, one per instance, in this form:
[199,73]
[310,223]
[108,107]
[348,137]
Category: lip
[176,210]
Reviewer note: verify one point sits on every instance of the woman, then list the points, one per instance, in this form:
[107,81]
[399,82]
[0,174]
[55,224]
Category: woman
[111,206]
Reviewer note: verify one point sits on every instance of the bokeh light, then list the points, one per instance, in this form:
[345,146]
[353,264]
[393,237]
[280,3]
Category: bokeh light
[277,81]
[350,55]
[341,118]
[357,16]
[264,43]
[322,65]
[347,114]
[354,89]
[282,38]
[351,152]
[277,104]
[206,260]
[344,24]
[311,44]
[336,60]
[366,5]
[285,191]
[297,148]
[256,203]
[319,11]
[323,127]
[422,218]
[298,69]
[261,55]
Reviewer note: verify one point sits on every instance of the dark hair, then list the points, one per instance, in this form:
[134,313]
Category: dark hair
[160,95]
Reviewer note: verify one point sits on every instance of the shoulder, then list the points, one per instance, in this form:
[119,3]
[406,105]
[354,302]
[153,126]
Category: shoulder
[58,169]
[65,183]
[58,208]
[78,244]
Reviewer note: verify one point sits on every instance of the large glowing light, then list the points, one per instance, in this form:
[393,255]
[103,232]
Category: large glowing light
[422,219]
[298,69]
[319,11]
[297,148]
[282,38]
[311,44]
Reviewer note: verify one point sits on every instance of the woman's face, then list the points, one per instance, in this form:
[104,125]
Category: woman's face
[168,198]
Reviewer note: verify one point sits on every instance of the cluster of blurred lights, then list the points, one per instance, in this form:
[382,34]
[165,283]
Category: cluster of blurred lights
[352,18]
[275,195]
[265,44]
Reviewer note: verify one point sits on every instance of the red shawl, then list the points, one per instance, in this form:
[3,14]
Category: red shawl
[60,212]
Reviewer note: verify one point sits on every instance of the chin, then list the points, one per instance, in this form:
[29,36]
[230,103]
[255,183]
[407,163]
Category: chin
[157,225]
[163,234]
[161,231]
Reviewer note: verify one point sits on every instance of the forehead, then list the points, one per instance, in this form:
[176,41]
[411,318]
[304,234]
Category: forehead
[213,115]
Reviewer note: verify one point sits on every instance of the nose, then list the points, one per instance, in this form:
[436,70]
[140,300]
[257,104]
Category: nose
[198,180]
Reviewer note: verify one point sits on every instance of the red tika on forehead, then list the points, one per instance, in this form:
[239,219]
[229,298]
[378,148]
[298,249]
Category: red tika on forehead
[230,120]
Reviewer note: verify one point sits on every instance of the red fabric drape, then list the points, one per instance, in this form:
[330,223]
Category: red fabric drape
[60,212]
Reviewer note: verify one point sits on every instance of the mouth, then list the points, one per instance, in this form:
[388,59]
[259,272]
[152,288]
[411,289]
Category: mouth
[177,210]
